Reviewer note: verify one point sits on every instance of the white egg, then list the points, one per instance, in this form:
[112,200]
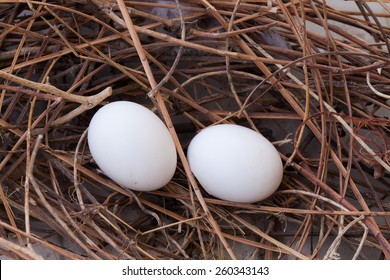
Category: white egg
[235,163]
[132,146]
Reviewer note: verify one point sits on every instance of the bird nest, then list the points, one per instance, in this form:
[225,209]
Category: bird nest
[296,71]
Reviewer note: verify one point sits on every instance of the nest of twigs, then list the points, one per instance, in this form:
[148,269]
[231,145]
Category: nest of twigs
[319,96]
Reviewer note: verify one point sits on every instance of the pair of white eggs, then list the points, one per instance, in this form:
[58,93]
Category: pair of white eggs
[133,147]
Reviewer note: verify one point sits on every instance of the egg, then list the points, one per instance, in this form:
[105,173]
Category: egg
[132,146]
[235,163]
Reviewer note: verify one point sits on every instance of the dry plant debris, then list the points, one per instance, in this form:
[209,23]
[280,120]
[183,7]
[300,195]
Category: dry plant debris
[321,97]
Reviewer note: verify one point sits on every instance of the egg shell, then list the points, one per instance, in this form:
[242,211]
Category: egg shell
[235,163]
[132,146]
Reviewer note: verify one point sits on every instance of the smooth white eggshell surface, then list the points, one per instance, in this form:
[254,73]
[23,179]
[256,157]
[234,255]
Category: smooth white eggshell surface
[132,146]
[235,163]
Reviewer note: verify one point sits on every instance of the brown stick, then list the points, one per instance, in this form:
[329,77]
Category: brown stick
[168,121]
[338,198]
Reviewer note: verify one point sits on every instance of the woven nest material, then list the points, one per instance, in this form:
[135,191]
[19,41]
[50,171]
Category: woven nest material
[293,70]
